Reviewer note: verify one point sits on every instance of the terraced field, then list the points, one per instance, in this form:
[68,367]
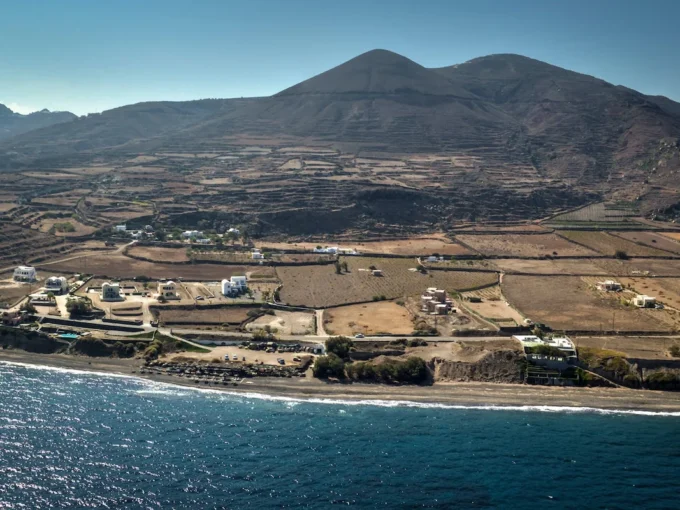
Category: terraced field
[608,244]
[320,286]
[523,245]
[652,240]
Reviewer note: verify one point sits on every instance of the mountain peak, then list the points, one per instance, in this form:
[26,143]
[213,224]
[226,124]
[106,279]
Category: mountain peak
[4,110]
[377,72]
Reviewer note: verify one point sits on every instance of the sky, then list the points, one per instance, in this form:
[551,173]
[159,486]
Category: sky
[90,56]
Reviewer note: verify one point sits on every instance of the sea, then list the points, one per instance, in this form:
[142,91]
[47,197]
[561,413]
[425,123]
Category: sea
[73,439]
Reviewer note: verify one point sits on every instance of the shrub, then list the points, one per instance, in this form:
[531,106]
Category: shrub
[547,350]
[620,254]
[675,350]
[329,366]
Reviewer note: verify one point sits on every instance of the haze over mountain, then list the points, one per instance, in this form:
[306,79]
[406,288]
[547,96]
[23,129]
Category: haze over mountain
[12,123]
[570,126]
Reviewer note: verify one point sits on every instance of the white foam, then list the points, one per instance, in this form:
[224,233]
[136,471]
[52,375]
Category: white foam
[164,388]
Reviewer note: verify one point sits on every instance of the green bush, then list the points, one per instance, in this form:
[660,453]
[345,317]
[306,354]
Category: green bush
[412,371]
[339,345]
[329,366]
[675,350]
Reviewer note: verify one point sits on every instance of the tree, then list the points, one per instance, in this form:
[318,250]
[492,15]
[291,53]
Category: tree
[161,235]
[338,268]
[345,267]
[329,366]
[28,307]
[50,296]
[339,345]
[77,307]
[620,254]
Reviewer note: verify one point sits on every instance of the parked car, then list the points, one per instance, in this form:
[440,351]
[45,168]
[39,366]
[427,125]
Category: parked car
[235,357]
[297,359]
[199,298]
[359,335]
[226,357]
[281,361]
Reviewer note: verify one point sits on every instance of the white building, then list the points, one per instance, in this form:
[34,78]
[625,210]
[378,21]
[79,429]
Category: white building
[562,343]
[25,274]
[642,301]
[235,285]
[56,285]
[256,255]
[234,231]
[120,228]
[328,249]
[168,290]
[110,292]
[609,286]
[192,234]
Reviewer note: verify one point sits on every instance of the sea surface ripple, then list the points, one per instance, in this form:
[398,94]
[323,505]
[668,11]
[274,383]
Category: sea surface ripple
[80,440]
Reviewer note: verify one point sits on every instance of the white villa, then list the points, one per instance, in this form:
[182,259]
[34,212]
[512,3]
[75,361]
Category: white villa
[120,228]
[256,255]
[235,285]
[234,231]
[168,290]
[25,274]
[642,301]
[111,292]
[56,285]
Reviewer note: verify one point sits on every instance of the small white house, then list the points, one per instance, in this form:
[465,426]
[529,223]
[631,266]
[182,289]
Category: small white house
[168,290]
[120,228]
[609,286]
[56,285]
[110,292]
[256,255]
[642,301]
[25,274]
[234,231]
[192,234]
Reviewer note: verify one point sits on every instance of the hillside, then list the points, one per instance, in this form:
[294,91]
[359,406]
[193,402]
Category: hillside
[12,123]
[569,128]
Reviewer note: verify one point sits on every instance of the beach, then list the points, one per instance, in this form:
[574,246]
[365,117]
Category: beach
[454,394]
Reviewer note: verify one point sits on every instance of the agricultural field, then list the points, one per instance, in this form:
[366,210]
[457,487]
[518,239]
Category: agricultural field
[632,347]
[665,290]
[493,307]
[159,254]
[202,316]
[320,286]
[246,257]
[285,323]
[120,266]
[552,267]
[653,240]
[523,245]
[12,292]
[63,227]
[368,319]
[425,245]
[569,303]
[608,244]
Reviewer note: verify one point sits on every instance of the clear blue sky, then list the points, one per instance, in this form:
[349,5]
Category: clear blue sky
[88,56]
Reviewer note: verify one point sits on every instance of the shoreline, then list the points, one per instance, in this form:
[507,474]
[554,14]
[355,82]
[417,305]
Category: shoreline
[464,394]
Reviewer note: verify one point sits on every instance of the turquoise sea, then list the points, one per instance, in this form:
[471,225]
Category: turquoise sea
[80,440]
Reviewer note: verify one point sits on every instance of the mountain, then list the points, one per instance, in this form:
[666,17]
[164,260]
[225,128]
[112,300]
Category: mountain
[12,124]
[571,127]
[377,72]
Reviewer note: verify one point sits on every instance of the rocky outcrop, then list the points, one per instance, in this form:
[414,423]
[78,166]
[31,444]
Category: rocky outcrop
[503,366]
